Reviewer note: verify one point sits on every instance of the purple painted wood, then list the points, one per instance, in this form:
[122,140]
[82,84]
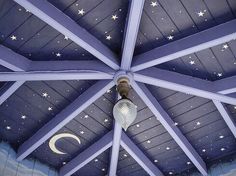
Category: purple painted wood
[139,156]
[88,155]
[168,123]
[226,85]
[132,28]
[115,149]
[181,83]
[65,25]
[65,116]
[12,60]
[70,65]
[55,75]
[226,116]
[9,89]
[196,42]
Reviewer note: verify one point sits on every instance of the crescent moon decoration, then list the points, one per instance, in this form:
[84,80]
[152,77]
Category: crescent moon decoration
[54,139]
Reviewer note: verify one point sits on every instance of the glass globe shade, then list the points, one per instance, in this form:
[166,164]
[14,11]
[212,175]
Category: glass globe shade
[125,112]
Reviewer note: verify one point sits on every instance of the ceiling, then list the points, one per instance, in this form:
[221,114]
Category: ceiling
[35,103]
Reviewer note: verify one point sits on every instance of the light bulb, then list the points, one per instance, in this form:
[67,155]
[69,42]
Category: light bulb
[125,113]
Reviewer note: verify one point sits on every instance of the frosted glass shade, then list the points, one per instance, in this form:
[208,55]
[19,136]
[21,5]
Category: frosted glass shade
[125,112]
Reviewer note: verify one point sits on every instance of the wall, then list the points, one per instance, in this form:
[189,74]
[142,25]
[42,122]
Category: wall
[10,167]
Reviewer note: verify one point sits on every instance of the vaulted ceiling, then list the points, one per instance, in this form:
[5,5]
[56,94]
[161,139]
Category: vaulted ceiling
[47,74]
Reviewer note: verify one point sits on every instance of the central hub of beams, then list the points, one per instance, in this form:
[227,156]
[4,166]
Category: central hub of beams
[122,74]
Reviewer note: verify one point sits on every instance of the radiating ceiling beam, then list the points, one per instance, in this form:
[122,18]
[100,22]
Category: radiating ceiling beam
[115,149]
[188,45]
[65,25]
[64,117]
[54,75]
[168,123]
[12,60]
[139,156]
[131,32]
[80,65]
[181,83]
[226,85]
[87,155]
[8,89]
[226,116]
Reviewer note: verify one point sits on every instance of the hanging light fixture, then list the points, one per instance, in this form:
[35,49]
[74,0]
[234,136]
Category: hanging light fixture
[124,111]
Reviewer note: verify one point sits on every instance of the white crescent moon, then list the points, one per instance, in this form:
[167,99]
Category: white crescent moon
[55,138]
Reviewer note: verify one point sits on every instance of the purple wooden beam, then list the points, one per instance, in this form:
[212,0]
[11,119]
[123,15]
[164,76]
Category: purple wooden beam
[181,83]
[194,43]
[64,117]
[12,60]
[226,116]
[226,85]
[87,155]
[8,89]
[55,75]
[88,65]
[65,25]
[132,27]
[168,123]
[139,156]
[115,149]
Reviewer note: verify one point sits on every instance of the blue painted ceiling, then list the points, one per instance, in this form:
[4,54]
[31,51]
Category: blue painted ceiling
[163,21]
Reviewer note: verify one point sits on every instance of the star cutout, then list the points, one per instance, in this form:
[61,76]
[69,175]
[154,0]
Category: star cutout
[222,149]
[219,74]
[155,161]
[188,163]
[103,169]
[200,14]
[225,46]
[167,148]
[106,120]
[50,108]
[81,132]
[13,37]
[192,62]
[96,160]
[221,136]
[153,4]
[45,94]
[108,37]
[8,127]
[58,54]
[170,37]
[114,17]
[66,38]
[198,123]
[23,116]
[203,150]
[81,12]
[148,141]
[137,125]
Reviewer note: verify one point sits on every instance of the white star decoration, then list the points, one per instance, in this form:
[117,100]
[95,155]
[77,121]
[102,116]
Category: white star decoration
[170,37]
[225,46]
[114,17]
[45,94]
[66,38]
[13,37]
[192,62]
[153,4]
[108,37]
[58,54]
[219,74]
[200,14]
[23,117]
[8,127]
[81,12]
[50,108]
